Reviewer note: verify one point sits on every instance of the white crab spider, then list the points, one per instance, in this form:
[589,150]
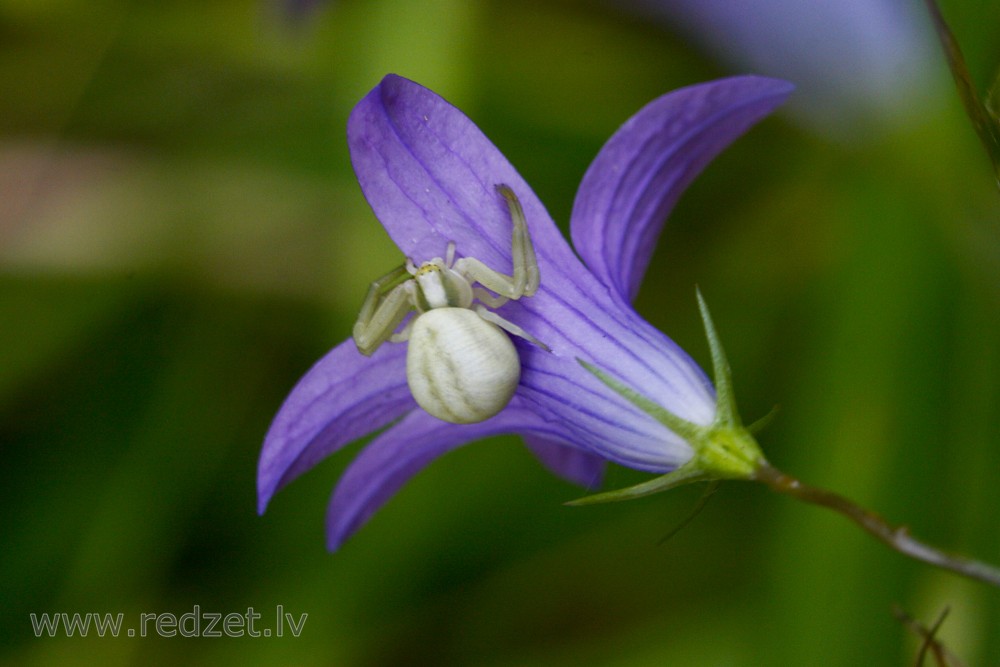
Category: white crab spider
[459,365]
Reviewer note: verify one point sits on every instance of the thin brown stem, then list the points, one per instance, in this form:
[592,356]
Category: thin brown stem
[983,121]
[897,538]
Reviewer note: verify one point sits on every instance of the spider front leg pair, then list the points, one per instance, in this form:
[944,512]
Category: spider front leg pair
[460,366]
[524,281]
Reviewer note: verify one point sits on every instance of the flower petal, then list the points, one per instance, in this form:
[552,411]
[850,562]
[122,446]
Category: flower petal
[572,464]
[430,175]
[583,411]
[392,458]
[640,173]
[343,397]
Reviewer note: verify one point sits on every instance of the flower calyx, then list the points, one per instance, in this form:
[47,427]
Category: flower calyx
[724,449]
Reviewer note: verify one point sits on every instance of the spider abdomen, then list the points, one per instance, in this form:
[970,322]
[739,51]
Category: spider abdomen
[460,368]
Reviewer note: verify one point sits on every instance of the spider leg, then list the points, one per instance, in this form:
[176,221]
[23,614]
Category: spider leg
[403,334]
[508,326]
[524,282]
[488,297]
[476,272]
[522,250]
[387,303]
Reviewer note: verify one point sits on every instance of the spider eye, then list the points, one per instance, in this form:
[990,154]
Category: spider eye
[428,268]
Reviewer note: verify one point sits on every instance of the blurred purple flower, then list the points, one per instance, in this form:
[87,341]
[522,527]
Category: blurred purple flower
[852,61]
[429,175]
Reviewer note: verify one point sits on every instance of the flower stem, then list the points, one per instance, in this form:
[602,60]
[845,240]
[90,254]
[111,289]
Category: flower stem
[897,538]
[983,116]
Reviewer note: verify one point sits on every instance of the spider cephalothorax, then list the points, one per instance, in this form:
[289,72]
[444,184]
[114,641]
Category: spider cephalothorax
[460,366]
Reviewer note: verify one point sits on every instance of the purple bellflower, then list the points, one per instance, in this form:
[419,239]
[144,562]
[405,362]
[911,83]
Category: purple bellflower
[609,387]
[853,62]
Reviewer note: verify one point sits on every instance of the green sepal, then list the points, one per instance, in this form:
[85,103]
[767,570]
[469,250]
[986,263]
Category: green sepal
[725,401]
[686,474]
[724,449]
[763,422]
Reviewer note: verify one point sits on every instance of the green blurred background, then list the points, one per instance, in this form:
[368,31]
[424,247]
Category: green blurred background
[181,237]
